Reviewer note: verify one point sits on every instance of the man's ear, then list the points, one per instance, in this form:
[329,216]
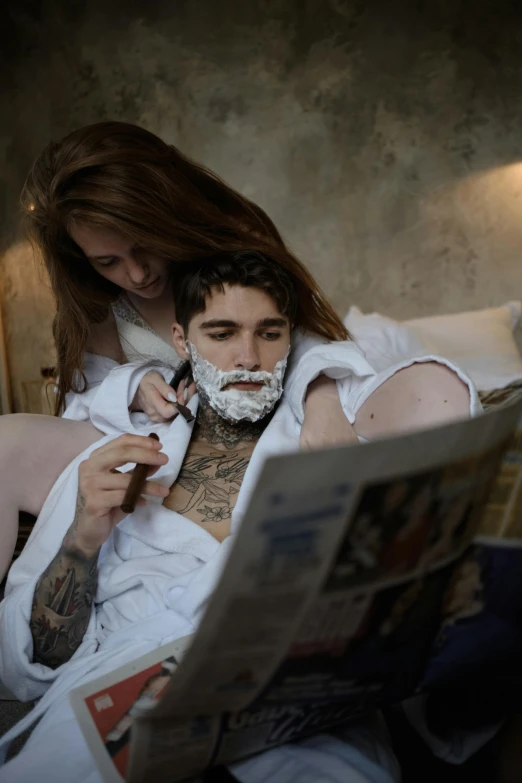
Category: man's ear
[178,338]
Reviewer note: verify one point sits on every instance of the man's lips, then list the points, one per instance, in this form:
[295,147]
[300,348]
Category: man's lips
[244,386]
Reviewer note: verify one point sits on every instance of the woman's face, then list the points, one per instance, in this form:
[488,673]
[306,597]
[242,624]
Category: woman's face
[117,258]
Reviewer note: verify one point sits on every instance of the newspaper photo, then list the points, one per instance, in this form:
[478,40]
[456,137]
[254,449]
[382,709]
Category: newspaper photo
[107,708]
[346,588]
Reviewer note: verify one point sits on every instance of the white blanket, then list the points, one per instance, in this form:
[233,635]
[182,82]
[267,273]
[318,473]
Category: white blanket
[155,575]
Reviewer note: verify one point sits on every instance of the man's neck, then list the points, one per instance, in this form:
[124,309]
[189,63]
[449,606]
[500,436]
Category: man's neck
[223,434]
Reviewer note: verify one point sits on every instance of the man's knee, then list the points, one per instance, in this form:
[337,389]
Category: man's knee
[442,394]
[423,395]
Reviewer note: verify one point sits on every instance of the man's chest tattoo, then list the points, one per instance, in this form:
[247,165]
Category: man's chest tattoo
[208,484]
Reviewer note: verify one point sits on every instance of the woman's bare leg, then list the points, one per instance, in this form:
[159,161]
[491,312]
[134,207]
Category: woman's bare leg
[34,450]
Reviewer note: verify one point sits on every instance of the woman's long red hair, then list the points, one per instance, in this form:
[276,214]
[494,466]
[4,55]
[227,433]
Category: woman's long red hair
[123,177]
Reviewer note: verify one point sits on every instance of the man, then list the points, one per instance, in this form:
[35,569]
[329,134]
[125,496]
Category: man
[88,596]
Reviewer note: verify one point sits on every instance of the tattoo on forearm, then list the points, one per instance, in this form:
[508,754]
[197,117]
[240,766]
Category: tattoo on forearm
[62,601]
[80,506]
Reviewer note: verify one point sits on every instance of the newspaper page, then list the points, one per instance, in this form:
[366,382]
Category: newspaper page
[107,707]
[503,517]
[478,647]
[330,601]
[333,593]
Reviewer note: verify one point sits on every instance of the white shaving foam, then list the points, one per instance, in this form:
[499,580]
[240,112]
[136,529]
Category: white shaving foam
[235,404]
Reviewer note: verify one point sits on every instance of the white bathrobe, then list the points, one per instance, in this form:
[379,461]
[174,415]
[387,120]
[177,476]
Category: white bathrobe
[156,572]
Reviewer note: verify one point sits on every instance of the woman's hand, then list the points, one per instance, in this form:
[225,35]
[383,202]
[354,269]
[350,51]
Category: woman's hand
[153,395]
[325,423]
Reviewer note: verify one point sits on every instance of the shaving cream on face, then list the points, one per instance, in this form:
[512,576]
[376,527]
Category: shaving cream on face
[235,404]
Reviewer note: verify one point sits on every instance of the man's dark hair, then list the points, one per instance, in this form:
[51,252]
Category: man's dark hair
[193,282]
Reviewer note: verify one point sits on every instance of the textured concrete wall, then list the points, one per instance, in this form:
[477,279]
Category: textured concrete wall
[27,313]
[383,138]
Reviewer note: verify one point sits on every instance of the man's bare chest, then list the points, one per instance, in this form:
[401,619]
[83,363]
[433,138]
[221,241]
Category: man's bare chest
[208,484]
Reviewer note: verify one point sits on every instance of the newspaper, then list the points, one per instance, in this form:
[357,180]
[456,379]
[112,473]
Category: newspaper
[479,643]
[351,572]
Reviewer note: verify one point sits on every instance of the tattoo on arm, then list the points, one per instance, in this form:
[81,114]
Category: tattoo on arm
[62,601]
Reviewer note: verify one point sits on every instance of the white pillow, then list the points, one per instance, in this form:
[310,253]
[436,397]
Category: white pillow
[481,341]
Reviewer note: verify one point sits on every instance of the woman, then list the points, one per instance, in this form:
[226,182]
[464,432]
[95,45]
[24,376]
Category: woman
[109,209]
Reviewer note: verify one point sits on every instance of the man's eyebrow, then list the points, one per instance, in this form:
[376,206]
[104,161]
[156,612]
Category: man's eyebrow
[223,323]
[281,322]
[217,322]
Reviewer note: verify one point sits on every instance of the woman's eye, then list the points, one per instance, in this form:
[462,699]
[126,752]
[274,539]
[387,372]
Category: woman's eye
[108,262]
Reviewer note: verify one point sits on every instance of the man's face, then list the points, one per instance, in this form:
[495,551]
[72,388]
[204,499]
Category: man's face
[240,329]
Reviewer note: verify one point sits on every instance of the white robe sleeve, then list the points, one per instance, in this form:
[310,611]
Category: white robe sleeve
[313,356]
[354,391]
[28,680]
[356,378]
[109,407]
[95,369]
